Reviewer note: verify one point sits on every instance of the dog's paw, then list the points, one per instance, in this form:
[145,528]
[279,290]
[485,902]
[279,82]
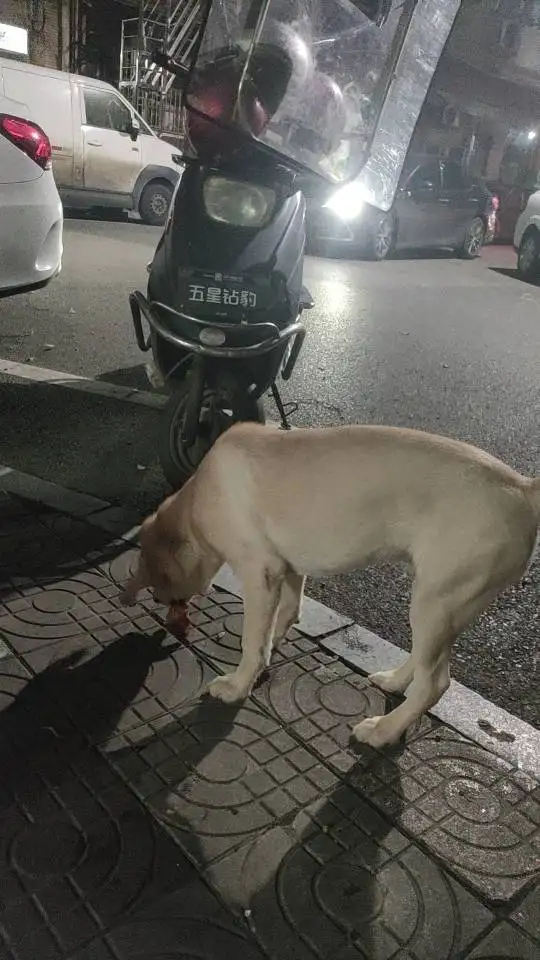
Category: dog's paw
[227,689]
[128,598]
[389,681]
[372,731]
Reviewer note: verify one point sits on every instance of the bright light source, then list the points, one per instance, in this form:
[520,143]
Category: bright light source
[347,202]
[532,135]
[13,39]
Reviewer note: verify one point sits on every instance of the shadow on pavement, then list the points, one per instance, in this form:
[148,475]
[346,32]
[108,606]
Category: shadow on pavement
[514,275]
[34,548]
[134,377]
[96,445]
[79,853]
[82,856]
[102,214]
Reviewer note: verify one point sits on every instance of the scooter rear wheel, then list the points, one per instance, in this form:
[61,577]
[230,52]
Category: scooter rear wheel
[220,410]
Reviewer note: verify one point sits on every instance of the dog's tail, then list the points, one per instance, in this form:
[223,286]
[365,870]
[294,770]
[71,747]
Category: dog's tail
[533,492]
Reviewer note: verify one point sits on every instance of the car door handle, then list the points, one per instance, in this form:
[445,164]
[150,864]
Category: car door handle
[444,199]
[94,143]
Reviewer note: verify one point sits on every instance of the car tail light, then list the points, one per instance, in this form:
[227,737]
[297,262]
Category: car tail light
[29,138]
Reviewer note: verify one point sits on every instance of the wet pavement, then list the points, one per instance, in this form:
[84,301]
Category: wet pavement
[140,819]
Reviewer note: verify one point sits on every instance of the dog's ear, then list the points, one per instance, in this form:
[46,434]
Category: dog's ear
[161,531]
[138,581]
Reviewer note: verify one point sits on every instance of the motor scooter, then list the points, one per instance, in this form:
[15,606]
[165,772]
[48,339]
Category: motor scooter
[264,105]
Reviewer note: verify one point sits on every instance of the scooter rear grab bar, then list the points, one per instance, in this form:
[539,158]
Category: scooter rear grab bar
[140,305]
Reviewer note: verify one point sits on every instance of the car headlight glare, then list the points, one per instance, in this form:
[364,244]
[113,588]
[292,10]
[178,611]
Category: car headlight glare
[348,202]
[237,203]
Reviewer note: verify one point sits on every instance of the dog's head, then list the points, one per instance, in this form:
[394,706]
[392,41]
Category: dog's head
[172,562]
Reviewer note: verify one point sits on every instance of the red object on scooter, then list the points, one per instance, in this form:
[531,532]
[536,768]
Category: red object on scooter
[216,100]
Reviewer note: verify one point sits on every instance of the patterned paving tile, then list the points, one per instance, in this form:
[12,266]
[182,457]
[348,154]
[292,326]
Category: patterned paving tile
[37,614]
[339,881]
[218,775]
[321,701]
[77,850]
[123,685]
[189,925]
[527,915]
[467,806]
[505,942]
[218,623]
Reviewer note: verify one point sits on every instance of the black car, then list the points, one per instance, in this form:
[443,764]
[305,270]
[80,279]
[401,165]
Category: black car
[436,205]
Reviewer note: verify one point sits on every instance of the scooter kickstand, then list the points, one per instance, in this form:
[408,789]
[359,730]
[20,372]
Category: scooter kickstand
[281,409]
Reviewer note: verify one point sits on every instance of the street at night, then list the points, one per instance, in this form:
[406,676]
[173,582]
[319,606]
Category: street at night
[431,342]
[206,751]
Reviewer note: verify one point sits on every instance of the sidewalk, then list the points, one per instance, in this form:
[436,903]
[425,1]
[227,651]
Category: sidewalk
[141,821]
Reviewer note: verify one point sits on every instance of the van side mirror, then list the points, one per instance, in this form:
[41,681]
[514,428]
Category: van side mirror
[134,128]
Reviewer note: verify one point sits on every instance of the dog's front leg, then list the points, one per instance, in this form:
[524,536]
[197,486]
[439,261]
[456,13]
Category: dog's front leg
[290,608]
[261,599]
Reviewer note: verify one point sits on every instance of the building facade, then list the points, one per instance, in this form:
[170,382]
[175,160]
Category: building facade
[48,30]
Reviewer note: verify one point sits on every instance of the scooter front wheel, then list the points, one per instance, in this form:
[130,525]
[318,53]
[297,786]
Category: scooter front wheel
[219,411]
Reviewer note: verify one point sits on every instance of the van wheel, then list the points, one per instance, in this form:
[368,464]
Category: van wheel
[155,202]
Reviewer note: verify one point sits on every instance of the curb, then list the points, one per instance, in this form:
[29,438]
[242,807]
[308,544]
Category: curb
[470,714]
[71,381]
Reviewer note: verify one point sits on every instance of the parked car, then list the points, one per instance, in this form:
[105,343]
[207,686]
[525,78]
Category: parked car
[436,206]
[104,154]
[512,202]
[31,221]
[527,239]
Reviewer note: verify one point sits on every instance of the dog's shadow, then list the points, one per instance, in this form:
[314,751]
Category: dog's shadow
[329,851]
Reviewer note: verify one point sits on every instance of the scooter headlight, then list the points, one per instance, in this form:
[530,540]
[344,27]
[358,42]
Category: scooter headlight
[236,203]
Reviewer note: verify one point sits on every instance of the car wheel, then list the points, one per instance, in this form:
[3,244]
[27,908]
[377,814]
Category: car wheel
[529,255]
[382,240]
[474,240]
[155,202]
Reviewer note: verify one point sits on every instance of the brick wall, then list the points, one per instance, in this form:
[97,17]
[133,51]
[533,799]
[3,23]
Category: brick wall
[48,24]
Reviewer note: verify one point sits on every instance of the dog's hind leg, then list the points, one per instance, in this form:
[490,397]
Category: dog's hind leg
[396,680]
[290,608]
[437,617]
[262,591]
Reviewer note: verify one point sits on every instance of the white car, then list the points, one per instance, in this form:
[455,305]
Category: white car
[527,239]
[31,218]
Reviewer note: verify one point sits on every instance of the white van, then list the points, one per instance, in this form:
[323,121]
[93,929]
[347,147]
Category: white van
[104,154]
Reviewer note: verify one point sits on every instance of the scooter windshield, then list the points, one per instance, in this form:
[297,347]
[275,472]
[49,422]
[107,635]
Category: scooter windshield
[311,77]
